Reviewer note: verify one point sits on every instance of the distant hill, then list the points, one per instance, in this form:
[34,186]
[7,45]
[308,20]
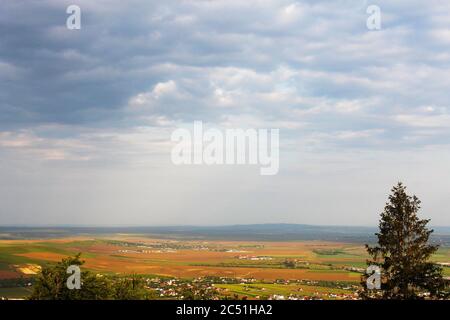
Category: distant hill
[256,232]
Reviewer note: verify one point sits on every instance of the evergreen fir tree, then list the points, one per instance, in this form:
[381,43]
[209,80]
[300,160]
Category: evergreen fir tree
[403,252]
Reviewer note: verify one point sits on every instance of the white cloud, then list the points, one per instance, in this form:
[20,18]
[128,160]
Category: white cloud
[432,121]
[159,91]
[441,35]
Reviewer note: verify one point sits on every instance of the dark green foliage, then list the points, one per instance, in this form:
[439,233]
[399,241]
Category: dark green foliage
[51,284]
[132,288]
[403,252]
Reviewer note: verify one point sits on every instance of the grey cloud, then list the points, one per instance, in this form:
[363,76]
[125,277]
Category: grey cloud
[109,94]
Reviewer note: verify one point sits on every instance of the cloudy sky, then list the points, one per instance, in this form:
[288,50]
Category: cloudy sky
[86,115]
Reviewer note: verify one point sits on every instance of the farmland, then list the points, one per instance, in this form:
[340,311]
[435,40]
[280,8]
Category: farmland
[250,269]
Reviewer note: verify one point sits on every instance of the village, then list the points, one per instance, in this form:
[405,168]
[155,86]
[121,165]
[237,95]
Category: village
[214,288]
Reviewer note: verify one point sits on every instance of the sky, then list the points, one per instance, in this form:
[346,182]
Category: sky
[86,115]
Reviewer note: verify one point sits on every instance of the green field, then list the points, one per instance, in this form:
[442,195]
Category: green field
[264,290]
